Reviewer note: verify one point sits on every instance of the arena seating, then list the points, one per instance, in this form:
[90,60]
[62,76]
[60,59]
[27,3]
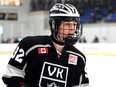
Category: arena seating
[91,11]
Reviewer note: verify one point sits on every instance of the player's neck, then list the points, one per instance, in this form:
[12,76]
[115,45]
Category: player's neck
[58,47]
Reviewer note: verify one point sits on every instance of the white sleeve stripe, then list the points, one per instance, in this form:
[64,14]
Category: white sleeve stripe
[80,80]
[12,71]
[24,66]
[82,85]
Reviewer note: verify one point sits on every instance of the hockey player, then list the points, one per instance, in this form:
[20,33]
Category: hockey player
[50,61]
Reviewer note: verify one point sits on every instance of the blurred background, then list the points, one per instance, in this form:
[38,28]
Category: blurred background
[21,18]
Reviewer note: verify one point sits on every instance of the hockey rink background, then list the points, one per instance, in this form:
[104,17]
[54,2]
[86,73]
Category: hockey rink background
[101,62]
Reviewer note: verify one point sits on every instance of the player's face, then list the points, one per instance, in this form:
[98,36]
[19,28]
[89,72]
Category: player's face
[66,29]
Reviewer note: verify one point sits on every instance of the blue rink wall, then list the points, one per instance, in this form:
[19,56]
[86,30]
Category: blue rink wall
[101,62]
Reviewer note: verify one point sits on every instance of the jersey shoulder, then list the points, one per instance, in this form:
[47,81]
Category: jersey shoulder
[79,53]
[31,41]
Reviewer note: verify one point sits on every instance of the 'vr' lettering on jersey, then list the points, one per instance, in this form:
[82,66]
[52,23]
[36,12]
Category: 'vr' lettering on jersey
[53,73]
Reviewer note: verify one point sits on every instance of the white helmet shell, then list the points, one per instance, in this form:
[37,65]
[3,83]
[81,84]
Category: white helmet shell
[63,10]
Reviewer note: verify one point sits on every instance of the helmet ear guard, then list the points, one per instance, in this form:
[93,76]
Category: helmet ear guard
[54,24]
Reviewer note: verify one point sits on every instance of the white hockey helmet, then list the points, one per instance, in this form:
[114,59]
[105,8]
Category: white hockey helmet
[63,10]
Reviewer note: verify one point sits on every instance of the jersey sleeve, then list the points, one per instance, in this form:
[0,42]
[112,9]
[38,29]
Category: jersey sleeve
[83,76]
[15,70]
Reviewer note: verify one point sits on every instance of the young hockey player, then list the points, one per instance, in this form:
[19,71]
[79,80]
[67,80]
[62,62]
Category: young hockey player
[50,61]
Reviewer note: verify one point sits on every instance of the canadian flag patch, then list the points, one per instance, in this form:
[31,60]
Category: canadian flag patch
[72,59]
[42,50]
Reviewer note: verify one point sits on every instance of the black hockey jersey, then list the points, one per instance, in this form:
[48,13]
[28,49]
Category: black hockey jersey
[35,62]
